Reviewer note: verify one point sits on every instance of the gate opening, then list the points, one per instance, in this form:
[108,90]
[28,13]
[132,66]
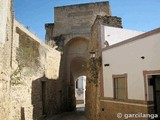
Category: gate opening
[80,90]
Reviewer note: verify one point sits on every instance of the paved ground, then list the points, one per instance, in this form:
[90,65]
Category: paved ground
[78,115]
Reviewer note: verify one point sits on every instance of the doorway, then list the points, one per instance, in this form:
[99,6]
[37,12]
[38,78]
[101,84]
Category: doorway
[154,83]
[43,83]
[80,90]
[76,53]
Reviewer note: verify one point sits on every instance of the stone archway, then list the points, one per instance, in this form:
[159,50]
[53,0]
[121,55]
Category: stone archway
[76,54]
[80,91]
[77,69]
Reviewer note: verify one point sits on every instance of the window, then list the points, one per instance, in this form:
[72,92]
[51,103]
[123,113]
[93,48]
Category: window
[120,90]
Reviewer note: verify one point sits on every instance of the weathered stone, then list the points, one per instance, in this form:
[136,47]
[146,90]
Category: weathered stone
[6,18]
[75,22]
[39,68]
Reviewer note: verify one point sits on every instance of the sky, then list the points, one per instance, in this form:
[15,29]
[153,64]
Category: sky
[140,15]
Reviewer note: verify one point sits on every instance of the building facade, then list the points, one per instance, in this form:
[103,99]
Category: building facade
[72,32]
[131,78]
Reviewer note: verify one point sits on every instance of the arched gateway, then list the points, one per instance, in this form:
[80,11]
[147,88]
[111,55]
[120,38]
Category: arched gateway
[76,51]
[75,34]
[72,26]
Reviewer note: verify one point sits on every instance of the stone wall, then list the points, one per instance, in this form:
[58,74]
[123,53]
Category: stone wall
[94,87]
[75,20]
[6,18]
[49,34]
[74,23]
[35,71]
[29,70]
[109,109]
[78,18]
[112,21]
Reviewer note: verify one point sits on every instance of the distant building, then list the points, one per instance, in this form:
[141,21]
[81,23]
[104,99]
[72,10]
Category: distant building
[80,89]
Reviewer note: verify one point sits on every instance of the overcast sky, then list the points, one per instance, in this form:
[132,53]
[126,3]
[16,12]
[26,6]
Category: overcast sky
[141,15]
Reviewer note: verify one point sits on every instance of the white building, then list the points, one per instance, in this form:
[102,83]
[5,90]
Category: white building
[80,89]
[131,71]
[113,35]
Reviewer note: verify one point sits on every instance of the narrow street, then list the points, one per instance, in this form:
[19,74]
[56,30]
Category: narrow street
[78,115]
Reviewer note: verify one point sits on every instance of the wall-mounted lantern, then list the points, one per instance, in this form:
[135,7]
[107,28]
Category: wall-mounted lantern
[92,54]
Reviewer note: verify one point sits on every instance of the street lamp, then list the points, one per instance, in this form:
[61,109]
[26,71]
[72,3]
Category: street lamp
[92,54]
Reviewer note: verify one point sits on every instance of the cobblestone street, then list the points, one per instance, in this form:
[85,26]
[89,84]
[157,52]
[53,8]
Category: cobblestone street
[78,115]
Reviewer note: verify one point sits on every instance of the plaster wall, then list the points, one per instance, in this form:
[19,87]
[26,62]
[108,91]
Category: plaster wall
[114,35]
[126,58]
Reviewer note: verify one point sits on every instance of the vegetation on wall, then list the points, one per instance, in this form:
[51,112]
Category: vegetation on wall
[28,53]
[59,42]
[27,56]
[93,67]
[16,76]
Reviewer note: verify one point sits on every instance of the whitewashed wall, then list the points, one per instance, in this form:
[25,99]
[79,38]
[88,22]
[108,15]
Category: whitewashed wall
[126,58]
[80,91]
[114,35]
